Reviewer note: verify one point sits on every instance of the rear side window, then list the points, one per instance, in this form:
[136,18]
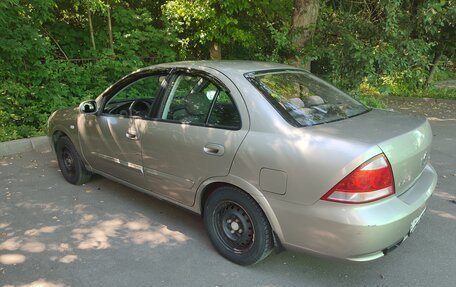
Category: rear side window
[196,100]
[224,113]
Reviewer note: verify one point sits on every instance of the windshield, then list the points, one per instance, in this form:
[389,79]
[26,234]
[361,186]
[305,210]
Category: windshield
[305,99]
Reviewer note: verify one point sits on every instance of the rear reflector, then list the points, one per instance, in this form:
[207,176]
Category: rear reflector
[371,181]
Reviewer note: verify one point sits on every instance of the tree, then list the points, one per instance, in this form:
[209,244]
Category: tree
[206,23]
[303,24]
[55,53]
[91,6]
[111,41]
[438,27]
[215,25]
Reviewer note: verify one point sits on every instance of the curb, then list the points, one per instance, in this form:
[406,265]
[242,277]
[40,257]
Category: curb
[38,144]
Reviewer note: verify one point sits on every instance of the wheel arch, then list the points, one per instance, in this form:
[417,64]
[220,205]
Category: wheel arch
[56,135]
[210,185]
[60,131]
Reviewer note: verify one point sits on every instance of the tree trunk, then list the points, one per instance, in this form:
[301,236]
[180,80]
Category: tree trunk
[111,42]
[56,43]
[414,4]
[92,37]
[215,51]
[303,23]
[434,65]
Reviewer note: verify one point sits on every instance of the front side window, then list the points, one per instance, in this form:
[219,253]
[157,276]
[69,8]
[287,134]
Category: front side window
[196,100]
[136,98]
[304,98]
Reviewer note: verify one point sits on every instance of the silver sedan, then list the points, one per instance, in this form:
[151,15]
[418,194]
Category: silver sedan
[268,154]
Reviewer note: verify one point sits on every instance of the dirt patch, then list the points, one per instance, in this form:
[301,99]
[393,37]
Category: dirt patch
[433,109]
[447,84]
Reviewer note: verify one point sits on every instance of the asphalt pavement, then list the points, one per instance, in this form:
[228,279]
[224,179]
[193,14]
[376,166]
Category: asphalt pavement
[104,234]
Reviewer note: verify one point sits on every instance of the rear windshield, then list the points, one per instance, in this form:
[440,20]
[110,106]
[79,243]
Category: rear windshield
[304,99]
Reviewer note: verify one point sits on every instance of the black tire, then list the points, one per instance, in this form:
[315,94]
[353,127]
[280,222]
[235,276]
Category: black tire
[237,226]
[70,163]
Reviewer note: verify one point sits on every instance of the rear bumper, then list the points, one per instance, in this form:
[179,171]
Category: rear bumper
[354,232]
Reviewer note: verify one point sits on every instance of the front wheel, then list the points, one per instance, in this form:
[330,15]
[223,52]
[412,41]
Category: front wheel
[237,226]
[71,165]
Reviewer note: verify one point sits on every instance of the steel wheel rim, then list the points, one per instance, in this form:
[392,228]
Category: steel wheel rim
[234,227]
[68,161]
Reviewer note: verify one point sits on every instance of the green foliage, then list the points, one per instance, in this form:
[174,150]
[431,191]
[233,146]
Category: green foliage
[371,48]
[201,22]
[429,92]
[353,47]
[137,39]
[445,74]
[438,25]
[381,48]
[37,79]
[240,26]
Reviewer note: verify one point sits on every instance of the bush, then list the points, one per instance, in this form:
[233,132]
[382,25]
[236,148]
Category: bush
[370,48]
[36,79]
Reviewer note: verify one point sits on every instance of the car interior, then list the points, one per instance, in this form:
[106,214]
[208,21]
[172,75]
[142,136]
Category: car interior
[138,107]
[191,100]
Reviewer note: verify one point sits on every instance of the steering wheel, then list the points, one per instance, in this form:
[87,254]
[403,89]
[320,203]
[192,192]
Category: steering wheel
[138,108]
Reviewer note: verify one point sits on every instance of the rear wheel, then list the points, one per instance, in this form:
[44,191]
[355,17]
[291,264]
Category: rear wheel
[70,163]
[237,226]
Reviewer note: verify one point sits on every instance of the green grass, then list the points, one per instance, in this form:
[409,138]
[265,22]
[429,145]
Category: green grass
[442,75]
[372,101]
[431,92]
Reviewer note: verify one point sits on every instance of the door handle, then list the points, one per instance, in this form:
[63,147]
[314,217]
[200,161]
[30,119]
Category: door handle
[214,149]
[131,136]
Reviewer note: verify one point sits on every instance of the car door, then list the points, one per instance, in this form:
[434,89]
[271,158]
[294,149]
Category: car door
[110,139]
[199,127]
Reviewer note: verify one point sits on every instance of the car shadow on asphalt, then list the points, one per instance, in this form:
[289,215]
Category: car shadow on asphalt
[103,233]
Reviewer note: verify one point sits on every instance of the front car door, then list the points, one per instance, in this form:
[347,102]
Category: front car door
[111,139]
[199,127]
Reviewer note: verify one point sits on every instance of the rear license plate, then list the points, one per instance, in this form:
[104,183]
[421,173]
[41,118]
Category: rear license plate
[415,222]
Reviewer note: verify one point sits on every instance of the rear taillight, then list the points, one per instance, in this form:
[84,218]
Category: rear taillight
[371,181]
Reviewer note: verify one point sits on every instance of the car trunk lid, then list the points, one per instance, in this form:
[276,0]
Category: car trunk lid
[404,139]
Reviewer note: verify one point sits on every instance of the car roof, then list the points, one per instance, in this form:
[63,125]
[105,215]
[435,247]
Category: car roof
[228,66]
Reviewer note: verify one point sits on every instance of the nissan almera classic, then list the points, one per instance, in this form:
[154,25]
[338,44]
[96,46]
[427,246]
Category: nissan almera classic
[268,154]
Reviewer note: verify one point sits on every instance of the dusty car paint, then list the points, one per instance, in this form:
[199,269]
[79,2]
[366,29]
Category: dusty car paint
[284,168]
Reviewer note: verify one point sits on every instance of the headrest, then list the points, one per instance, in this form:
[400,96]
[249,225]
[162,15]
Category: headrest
[314,101]
[296,102]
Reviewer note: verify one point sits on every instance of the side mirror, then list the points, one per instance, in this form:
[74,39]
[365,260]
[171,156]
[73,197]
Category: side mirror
[88,107]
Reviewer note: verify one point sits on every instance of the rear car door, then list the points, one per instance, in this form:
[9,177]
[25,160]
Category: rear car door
[111,139]
[199,127]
